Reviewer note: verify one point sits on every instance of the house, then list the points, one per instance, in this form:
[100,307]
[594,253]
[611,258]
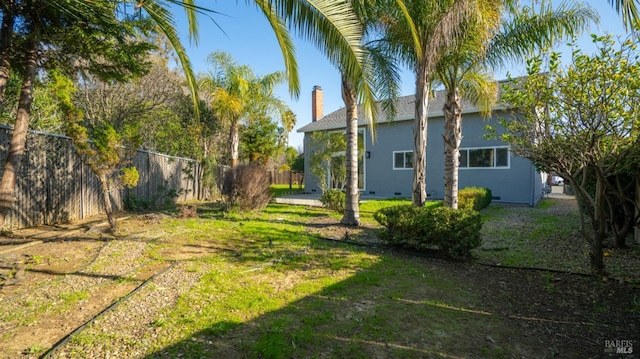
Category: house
[386,167]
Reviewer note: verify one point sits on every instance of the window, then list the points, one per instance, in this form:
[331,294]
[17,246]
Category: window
[402,160]
[484,157]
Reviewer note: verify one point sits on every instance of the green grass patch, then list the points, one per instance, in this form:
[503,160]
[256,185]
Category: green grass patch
[271,288]
[533,237]
[278,190]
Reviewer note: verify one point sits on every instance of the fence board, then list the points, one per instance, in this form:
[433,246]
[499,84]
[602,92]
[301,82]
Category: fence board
[54,185]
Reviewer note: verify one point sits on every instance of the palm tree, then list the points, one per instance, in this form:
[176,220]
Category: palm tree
[385,81]
[418,32]
[237,94]
[351,215]
[463,70]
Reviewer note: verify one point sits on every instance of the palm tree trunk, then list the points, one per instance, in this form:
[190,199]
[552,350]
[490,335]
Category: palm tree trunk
[452,138]
[6,32]
[351,208]
[234,142]
[19,136]
[420,137]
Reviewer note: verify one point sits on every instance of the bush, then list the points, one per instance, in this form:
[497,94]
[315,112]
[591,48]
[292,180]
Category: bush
[475,198]
[247,187]
[135,204]
[398,220]
[454,232]
[334,199]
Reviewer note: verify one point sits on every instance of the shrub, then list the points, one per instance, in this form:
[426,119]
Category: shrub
[333,199]
[129,177]
[475,198]
[135,204]
[454,232]
[247,187]
[398,220]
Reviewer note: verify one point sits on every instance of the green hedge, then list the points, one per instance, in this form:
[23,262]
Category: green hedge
[454,232]
[475,198]
[334,199]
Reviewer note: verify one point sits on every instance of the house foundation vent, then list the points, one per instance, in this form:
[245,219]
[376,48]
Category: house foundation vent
[397,194]
[372,192]
[497,198]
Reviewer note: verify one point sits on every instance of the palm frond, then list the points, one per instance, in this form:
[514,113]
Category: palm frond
[286,46]
[628,10]
[163,19]
[479,88]
[529,31]
[334,29]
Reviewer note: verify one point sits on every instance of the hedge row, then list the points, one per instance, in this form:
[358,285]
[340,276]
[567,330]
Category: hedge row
[475,198]
[454,232]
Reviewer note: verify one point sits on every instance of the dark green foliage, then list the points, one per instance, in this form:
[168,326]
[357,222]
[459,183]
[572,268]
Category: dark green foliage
[259,140]
[475,198]
[399,223]
[165,197]
[454,232]
[334,199]
[298,164]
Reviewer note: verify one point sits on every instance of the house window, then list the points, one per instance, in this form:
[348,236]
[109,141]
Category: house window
[402,160]
[484,157]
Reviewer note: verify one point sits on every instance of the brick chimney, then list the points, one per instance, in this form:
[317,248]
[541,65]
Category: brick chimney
[316,103]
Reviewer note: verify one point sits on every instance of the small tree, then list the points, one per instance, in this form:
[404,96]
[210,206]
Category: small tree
[294,163]
[327,161]
[102,150]
[582,122]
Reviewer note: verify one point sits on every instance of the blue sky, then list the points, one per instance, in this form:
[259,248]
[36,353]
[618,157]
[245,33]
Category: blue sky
[244,33]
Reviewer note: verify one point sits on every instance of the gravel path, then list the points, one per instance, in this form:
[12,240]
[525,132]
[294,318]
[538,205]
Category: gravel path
[130,326]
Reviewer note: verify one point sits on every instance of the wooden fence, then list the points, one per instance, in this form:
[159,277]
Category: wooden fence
[283,177]
[54,186]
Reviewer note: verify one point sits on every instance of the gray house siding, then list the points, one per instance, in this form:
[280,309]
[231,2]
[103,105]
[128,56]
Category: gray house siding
[517,183]
[382,179]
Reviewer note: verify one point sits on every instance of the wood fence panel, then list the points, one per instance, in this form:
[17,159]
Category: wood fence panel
[282,177]
[54,185]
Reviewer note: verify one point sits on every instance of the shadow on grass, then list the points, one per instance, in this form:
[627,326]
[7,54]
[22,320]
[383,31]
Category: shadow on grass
[399,306]
[366,315]
[385,304]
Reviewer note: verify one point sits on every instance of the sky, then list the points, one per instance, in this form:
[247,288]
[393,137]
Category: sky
[242,31]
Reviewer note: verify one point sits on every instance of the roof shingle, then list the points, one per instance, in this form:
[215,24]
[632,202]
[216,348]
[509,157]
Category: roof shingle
[405,109]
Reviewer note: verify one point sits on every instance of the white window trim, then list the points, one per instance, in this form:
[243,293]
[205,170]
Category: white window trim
[393,161]
[508,166]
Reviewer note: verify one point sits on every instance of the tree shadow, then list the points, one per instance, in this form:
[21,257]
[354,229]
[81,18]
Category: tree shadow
[401,306]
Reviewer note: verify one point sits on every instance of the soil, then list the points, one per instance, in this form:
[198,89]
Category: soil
[568,315]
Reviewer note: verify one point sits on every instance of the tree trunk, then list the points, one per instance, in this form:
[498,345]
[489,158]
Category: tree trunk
[234,142]
[452,138]
[351,209]
[420,137]
[108,208]
[19,136]
[599,225]
[6,33]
